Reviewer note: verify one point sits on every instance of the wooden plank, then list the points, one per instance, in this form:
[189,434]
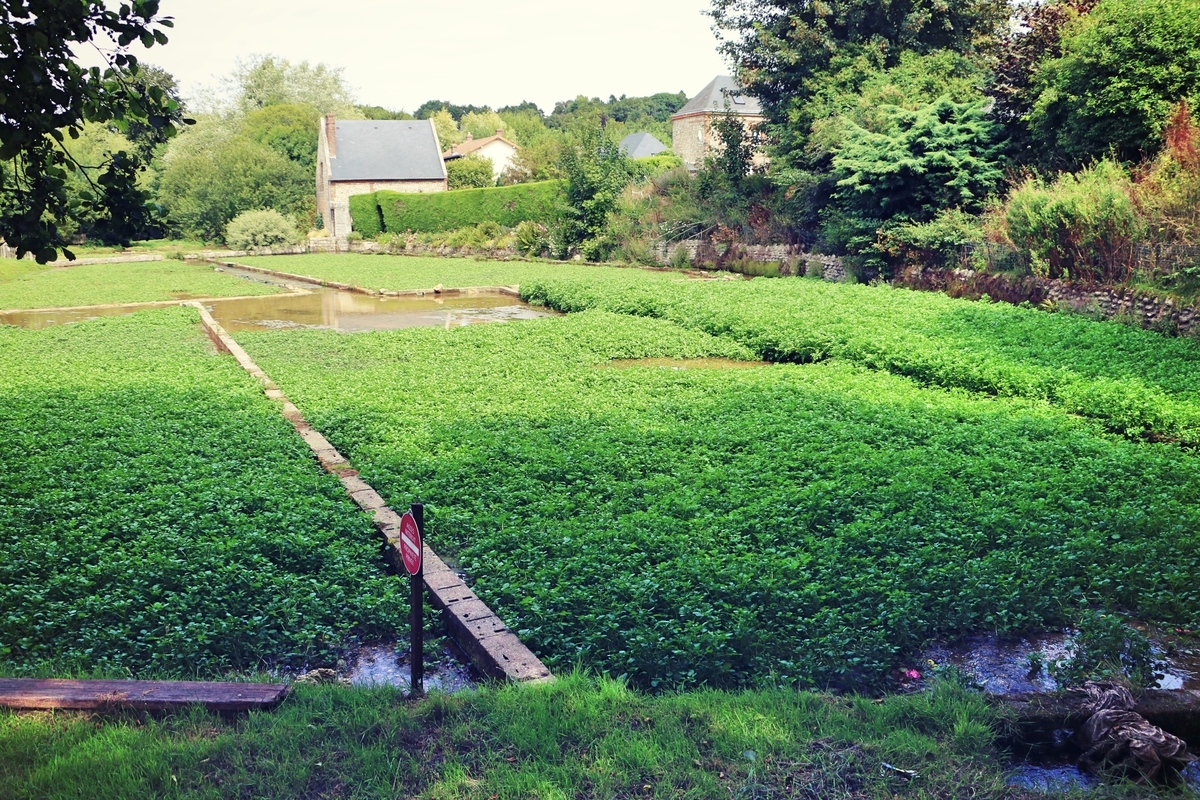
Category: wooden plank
[34,693]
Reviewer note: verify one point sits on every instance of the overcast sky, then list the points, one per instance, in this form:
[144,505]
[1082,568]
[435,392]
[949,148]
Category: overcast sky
[400,53]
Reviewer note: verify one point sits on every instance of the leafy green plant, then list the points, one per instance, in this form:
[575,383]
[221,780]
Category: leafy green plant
[1104,647]
[160,517]
[470,172]
[810,522]
[36,286]
[260,229]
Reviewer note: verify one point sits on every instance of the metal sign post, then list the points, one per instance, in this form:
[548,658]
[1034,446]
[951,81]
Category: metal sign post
[412,534]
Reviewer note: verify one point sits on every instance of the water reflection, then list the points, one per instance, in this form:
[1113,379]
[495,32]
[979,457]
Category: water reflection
[1051,780]
[323,308]
[351,312]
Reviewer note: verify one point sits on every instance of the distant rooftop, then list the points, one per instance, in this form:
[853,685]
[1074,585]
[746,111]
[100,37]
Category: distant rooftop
[386,150]
[721,94]
[472,144]
[641,145]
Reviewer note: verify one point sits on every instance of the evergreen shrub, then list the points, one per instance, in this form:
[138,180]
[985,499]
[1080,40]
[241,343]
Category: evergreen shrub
[396,212]
[255,229]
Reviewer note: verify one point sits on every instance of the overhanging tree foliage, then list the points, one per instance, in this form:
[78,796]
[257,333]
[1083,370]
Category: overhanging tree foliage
[782,46]
[940,156]
[1122,69]
[46,96]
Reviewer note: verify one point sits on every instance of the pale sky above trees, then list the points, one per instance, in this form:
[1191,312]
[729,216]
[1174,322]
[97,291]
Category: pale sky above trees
[400,53]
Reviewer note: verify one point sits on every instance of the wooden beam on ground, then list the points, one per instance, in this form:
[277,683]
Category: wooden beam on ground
[39,693]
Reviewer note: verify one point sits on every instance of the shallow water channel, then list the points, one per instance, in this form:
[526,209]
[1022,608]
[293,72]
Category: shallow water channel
[313,306]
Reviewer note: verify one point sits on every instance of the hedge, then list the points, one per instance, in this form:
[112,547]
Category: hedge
[387,211]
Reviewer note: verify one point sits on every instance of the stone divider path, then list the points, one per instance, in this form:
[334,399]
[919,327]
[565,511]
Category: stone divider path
[130,259]
[514,290]
[295,292]
[494,649]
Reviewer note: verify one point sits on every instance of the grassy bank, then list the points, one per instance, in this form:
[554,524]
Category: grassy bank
[35,286]
[575,739]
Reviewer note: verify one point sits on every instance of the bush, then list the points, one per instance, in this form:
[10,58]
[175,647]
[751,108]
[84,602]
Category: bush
[446,211]
[936,243]
[531,238]
[470,172]
[645,169]
[254,229]
[1081,227]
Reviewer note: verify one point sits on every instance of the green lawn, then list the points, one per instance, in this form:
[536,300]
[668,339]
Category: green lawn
[24,284]
[158,516]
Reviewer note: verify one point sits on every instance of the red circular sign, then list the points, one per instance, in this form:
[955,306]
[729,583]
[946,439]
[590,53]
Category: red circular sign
[410,543]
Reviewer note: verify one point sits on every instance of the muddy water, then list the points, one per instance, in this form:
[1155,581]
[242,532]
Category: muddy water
[446,669]
[352,313]
[1012,665]
[316,307]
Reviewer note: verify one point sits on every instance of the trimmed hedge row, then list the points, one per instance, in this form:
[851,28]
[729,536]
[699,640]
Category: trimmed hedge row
[395,212]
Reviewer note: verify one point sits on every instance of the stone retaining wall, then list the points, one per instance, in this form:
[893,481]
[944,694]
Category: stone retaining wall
[1099,300]
[793,259]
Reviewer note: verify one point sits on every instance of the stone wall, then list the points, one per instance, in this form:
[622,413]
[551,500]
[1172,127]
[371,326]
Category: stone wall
[694,137]
[1094,299]
[344,190]
[793,259]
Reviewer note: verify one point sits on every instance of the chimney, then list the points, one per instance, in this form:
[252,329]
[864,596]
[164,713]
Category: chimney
[470,137]
[331,134]
[499,131]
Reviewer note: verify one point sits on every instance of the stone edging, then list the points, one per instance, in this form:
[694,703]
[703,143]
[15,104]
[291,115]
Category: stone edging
[297,292]
[513,290]
[495,650]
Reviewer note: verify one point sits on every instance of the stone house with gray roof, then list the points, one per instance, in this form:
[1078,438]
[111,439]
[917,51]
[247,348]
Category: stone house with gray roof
[365,156]
[642,145]
[693,130]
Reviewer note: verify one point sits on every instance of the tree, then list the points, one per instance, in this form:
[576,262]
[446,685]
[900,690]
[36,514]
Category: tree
[596,172]
[942,155]
[470,172]
[46,96]
[1123,68]
[783,48]
[430,107]
[379,112]
[446,127]
[1034,38]
[481,125]
[290,130]
[208,182]
[265,80]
